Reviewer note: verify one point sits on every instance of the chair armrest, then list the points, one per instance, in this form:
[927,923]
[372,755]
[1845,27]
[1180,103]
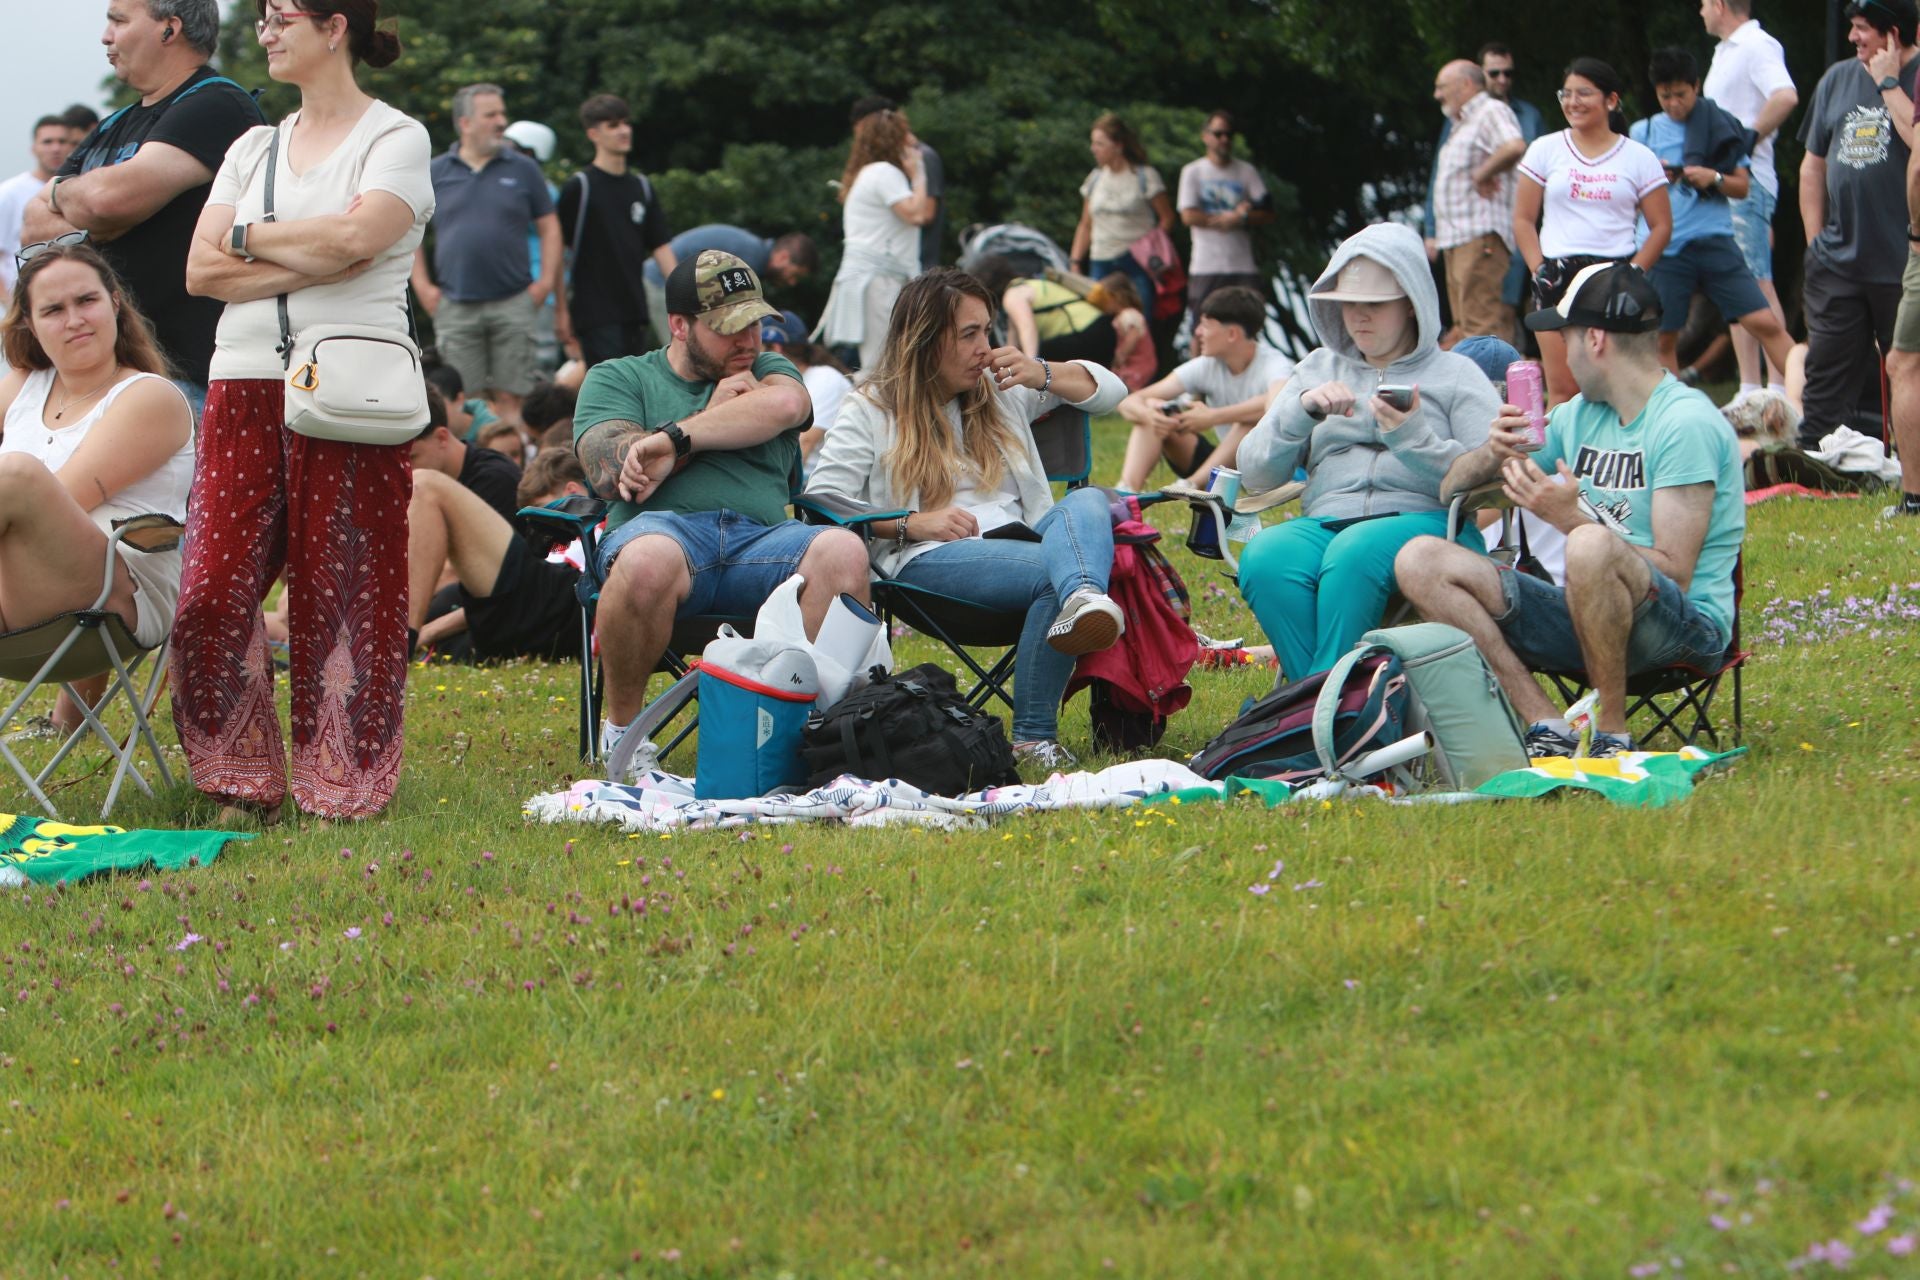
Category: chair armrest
[1491,496]
[150,532]
[566,518]
[822,507]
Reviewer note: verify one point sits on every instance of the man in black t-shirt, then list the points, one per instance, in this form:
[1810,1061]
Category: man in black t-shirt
[492,475]
[137,183]
[612,222]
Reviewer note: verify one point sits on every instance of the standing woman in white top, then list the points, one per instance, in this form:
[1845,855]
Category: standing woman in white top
[352,197]
[884,194]
[1593,184]
[94,432]
[1121,200]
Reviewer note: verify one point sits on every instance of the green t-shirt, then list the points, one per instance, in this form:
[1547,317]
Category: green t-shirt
[1679,438]
[755,481]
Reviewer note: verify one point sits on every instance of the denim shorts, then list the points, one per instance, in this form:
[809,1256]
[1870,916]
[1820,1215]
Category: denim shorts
[1712,265]
[1752,223]
[734,561]
[1668,628]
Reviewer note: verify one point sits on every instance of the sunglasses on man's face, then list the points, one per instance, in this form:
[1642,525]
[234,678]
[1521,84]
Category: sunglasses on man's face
[1504,74]
[28,252]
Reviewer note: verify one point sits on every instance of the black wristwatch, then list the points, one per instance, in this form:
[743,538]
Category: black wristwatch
[1889,82]
[682,446]
[1913,237]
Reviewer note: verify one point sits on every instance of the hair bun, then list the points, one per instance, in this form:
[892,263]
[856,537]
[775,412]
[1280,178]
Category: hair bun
[383,48]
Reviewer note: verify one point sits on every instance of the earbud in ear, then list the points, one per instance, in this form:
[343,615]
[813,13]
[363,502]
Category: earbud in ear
[166,34]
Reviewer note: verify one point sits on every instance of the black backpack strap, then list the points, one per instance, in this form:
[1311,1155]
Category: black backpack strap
[280,300]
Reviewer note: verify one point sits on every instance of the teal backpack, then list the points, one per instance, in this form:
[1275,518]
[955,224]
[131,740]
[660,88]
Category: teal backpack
[1454,697]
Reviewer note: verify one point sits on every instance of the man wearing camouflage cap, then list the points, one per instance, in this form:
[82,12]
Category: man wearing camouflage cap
[696,445]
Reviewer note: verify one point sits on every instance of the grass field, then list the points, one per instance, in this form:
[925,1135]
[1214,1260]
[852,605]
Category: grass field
[1538,1039]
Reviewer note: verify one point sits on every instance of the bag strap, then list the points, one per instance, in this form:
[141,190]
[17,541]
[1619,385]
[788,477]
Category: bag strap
[1326,707]
[285,349]
[280,300]
[579,223]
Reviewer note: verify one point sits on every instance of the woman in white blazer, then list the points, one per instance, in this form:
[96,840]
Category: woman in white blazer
[943,430]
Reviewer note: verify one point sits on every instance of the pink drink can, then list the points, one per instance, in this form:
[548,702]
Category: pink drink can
[1527,390]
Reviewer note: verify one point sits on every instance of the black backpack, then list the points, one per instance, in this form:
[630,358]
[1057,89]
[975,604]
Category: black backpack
[913,726]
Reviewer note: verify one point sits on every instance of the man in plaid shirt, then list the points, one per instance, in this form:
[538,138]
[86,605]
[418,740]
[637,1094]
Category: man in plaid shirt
[1473,199]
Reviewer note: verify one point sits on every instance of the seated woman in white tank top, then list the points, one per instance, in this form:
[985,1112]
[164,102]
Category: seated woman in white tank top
[93,432]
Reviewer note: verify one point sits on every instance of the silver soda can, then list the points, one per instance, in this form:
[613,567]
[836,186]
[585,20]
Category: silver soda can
[1225,481]
[1527,391]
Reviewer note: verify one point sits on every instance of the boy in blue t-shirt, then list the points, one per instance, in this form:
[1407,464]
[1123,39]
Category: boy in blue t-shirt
[1704,149]
[1644,478]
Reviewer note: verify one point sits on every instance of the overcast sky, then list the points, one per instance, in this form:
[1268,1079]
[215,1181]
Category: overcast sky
[54,59]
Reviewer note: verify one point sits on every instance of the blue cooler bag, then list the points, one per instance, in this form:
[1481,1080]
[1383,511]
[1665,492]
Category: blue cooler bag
[754,699]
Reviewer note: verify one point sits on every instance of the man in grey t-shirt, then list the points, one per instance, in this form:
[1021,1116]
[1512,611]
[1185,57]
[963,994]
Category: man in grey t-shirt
[1219,199]
[1853,201]
[1235,375]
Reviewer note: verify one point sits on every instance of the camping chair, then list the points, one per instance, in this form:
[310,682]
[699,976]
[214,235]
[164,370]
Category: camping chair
[1065,441]
[87,642]
[1679,698]
[580,517]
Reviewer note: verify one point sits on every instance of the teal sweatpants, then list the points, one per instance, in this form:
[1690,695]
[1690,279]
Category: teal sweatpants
[1315,590]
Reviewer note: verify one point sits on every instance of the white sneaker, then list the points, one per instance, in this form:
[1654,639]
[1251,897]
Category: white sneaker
[625,754]
[1045,752]
[1089,621]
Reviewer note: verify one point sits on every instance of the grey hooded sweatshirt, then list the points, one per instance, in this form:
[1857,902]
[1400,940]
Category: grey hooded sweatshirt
[1354,468]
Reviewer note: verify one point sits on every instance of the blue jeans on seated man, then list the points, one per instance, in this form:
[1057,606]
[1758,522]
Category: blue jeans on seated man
[1317,585]
[1669,630]
[1075,550]
[734,561]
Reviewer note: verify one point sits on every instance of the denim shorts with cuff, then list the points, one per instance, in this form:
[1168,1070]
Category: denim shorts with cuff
[734,561]
[1669,630]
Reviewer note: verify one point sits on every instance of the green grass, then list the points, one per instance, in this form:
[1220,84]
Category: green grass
[1535,1039]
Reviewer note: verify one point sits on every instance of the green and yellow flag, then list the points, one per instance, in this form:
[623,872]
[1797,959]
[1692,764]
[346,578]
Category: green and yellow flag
[42,851]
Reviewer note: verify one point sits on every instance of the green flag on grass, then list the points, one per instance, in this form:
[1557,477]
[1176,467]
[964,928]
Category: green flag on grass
[41,851]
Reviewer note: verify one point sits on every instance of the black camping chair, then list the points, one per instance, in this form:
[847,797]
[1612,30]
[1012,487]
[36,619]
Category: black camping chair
[580,517]
[1065,441]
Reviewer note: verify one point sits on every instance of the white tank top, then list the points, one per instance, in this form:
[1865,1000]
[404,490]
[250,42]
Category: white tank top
[156,575]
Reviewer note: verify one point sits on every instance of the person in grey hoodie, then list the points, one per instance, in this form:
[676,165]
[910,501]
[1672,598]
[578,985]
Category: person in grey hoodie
[1316,582]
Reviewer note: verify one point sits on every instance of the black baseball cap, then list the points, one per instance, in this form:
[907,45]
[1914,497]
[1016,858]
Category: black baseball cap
[1615,296]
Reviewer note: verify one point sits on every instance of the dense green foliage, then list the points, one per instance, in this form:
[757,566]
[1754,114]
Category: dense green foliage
[741,110]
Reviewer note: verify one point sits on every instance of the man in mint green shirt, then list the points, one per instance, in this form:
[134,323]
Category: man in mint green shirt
[1643,476]
[697,447]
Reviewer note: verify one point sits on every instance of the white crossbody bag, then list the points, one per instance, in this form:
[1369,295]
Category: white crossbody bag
[353,382]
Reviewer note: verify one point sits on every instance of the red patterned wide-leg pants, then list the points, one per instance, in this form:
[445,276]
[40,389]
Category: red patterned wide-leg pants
[334,516]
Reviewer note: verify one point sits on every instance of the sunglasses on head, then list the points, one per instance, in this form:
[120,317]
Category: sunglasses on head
[28,252]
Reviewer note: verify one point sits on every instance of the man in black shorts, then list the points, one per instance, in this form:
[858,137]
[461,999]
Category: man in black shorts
[516,601]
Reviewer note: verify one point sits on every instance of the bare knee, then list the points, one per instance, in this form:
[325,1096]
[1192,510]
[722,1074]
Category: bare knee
[649,578]
[837,561]
[1595,553]
[1424,564]
[1903,366]
[22,474]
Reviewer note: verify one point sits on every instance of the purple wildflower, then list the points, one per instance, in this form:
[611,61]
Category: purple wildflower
[1901,1246]
[1278,867]
[1305,885]
[352,934]
[1259,890]
[1876,1221]
[188,941]
[1719,1223]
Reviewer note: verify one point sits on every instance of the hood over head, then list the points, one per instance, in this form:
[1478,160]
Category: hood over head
[1401,251]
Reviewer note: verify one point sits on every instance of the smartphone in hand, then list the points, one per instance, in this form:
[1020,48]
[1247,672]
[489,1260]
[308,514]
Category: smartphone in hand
[1399,395]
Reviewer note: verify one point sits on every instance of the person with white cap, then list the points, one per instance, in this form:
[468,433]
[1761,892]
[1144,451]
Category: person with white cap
[1373,469]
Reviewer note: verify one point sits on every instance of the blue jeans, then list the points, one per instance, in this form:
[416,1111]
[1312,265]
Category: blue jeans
[1075,550]
[1669,630]
[1317,585]
[1126,264]
[733,561]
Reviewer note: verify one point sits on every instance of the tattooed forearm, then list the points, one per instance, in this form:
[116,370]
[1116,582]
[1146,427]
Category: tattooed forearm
[603,449]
